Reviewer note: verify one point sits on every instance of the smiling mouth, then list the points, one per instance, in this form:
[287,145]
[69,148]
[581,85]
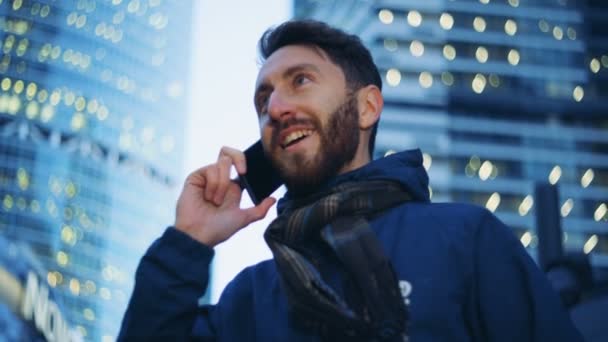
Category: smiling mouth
[295,137]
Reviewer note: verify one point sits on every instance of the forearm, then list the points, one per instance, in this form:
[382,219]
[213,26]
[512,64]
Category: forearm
[170,278]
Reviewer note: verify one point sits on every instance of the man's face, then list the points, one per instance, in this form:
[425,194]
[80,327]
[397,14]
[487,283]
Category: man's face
[308,120]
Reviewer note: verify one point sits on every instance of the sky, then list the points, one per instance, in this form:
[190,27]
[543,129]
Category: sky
[224,68]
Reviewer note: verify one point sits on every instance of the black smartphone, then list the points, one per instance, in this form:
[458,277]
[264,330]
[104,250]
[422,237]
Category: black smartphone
[261,179]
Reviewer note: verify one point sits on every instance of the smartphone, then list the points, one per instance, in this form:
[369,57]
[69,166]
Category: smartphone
[261,179]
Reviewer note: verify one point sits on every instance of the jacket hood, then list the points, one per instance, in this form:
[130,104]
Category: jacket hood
[403,167]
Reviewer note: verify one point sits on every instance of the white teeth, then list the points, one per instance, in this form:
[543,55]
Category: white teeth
[296,135]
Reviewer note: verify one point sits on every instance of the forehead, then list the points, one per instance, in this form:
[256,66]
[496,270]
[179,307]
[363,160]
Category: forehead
[292,55]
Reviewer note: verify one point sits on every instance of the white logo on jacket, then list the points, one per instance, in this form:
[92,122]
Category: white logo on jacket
[406,289]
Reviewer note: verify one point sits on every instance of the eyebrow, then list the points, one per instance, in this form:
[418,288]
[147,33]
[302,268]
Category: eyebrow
[286,74]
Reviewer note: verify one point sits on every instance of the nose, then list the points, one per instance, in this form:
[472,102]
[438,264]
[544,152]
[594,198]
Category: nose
[279,106]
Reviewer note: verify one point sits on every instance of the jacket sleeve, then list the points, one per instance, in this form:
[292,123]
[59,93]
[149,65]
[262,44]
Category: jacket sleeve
[170,279]
[515,301]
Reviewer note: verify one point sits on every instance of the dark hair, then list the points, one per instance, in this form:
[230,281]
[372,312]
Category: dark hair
[343,49]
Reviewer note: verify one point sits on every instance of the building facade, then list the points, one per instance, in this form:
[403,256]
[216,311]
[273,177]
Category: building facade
[499,95]
[92,110]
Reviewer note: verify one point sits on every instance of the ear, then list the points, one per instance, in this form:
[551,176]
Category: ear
[370,102]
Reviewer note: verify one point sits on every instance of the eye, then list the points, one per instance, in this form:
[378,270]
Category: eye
[301,79]
[261,104]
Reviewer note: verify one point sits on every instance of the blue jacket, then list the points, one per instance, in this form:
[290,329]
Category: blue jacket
[463,274]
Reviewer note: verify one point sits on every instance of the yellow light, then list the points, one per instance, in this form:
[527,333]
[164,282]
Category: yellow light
[525,205]
[578,93]
[31,110]
[100,29]
[449,52]
[71,19]
[600,212]
[555,174]
[485,2]
[88,314]
[479,24]
[62,258]
[485,170]
[587,178]
[543,25]
[78,121]
[90,286]
[414,18]
[8,202]
[70,190]
[51,278]
[481,54]
[35,206]
[447,78]
[513,57]
[75,286]
[69,98]
[567,207]
[67,235]
[133,6]
[525,239]
[42,95]
[81,21]
[23,179]
[47,113]
[120,16]
[18,87]
[446,21]
[55,97]
[494,80]
[425,79]
[416,48]
[571,33]
[391,45]
[6,84]
[510,27]
[102,113]
[427,161]
[105,293]
[594,65]
[478,85]
[17,4]
[590,244]
[514,3]
[386,16]
[558,33]
[493,202]
[80,103]
[14,104]
[393,77]
[31,89]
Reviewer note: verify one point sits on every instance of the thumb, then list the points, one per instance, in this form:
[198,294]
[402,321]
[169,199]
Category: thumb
[259,211]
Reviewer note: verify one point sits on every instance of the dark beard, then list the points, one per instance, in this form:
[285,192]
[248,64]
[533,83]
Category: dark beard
[339,141]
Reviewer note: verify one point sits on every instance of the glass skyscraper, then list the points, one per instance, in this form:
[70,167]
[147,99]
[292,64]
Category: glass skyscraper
[499,95]
[92,110]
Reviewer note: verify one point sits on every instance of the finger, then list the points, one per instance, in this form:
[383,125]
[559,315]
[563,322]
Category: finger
[237,158]
[259,211]
[211,182]
[223,165]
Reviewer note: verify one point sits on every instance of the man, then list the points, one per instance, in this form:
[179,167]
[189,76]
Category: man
[360,254]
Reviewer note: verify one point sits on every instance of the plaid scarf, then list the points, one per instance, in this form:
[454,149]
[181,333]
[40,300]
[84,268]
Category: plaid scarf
[337,221]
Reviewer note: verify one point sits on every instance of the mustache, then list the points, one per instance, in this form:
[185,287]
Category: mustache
[280,126]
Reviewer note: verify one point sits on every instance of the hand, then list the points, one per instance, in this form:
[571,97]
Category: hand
[208,207]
